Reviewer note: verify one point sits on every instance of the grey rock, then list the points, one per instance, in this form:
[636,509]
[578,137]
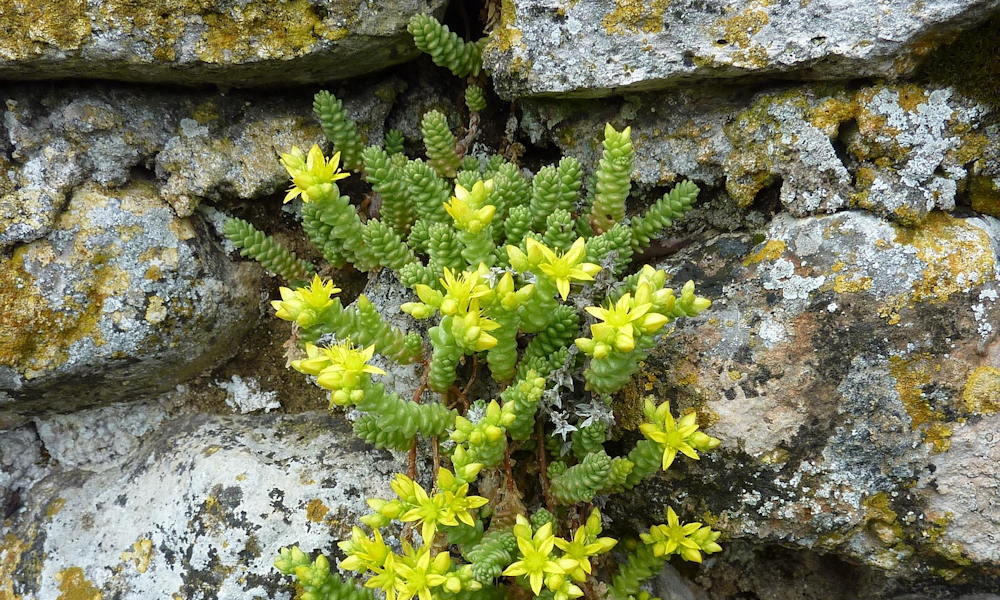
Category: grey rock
[899,151]
[849,366]
[100,438]
[122,298]
[669,584]
[198,510]
[599,48]
[195,145]
[251,44]
[21,464]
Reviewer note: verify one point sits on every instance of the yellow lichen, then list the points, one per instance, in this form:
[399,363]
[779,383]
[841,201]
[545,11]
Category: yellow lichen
[911,96]
[635,16]
[846,284]
[830,113]
[245,32]
[982,391]
[32,28]
[141,554]
[316,510]
[73,585]
[206,112]
[739,28]
[957,256]
[261,30]
[506,35]
[34,336]
[770,251]
[985,195]
[911,375]
[881,520]
[54,507]
[776,456]
[11,550]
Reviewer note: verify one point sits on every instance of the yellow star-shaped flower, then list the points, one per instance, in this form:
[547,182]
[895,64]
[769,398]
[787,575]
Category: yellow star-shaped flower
[535,549]
[674,436]
[309,170]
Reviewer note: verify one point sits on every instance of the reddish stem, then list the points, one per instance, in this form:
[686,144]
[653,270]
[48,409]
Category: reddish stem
[543,465]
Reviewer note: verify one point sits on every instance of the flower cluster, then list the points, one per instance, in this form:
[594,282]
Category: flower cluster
[493,254]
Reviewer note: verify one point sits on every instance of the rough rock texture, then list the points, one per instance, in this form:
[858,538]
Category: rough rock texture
[896,150]
[121,298]
[199,145]
[250,43]
[197,511]
[599,48]
[852,370]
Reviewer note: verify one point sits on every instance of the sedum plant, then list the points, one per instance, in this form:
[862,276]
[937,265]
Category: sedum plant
[526,290]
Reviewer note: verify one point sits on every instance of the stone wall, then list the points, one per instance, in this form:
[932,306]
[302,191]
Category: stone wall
[152,444]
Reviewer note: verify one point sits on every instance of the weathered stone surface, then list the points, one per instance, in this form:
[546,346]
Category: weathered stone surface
[251,43]
[121,298]
[200,145]
[600,48]
[852,370]
[896,150]
[198,510]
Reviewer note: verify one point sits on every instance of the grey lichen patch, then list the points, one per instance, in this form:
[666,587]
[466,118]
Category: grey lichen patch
[175,520]
[898,151]
[195,146]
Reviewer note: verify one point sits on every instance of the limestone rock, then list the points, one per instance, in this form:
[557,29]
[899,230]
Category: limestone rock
[121,298]
[850,367]
[199,145]
[255,43]
[599,48]
[899,151]
[198,510]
